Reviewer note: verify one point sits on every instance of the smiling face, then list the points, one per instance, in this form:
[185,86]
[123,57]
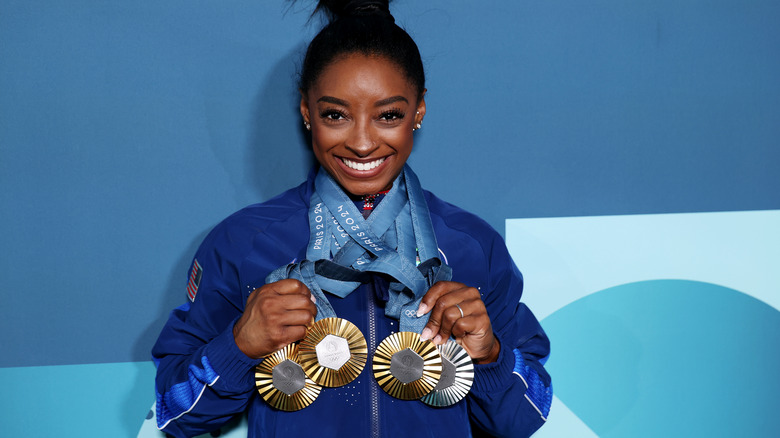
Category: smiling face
[362,112]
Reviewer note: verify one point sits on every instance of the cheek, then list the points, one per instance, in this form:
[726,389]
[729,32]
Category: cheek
[324,140]
[402,142]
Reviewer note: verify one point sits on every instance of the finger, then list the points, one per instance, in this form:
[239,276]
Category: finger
[287,335]
[295,287]
[471,325]
[469,334]
[477,338]
[294,302]
[450,316]
[290,286]
[291,318]
[286,328]
[433,294]
[274,309]
[431,328]
[458,311]
[295,333]
[444,301]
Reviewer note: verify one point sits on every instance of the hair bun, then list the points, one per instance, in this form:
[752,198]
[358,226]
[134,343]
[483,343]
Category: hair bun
[355,8]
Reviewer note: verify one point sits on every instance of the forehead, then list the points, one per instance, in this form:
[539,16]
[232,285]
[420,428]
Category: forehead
[363,76]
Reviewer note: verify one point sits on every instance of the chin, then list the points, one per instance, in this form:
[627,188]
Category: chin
[368,188]
[364,186]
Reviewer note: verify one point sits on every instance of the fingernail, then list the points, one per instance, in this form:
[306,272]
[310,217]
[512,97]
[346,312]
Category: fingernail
[426,334]
[422,309]
[437,339]
[314,299]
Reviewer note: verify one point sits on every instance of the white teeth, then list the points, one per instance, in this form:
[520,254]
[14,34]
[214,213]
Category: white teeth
[362,166]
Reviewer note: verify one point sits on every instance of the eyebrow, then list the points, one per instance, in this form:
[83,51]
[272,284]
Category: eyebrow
[383,102]
[390,100]
[333,100]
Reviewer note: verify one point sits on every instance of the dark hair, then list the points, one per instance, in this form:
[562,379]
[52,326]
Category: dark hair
[364,27]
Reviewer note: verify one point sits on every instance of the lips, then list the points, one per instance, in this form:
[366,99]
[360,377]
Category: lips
[362,166]
[364,176]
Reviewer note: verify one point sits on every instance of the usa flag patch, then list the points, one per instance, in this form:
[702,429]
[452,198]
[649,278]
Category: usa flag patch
[194,282]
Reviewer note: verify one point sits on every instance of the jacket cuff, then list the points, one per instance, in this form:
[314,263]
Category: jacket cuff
[235,369]
[497,375]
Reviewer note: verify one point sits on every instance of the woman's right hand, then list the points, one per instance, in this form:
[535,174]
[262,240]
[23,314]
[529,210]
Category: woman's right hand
[275,316]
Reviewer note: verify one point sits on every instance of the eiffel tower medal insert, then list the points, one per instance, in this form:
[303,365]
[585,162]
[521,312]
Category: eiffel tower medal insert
[406,367]
[281,382]
[456,377]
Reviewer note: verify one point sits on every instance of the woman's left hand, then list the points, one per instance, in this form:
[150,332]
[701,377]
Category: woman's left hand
[458,310]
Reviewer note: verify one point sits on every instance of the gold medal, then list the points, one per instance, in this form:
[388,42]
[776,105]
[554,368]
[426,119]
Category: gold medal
[407,367]
[281,382]
[456,377]
[333,353]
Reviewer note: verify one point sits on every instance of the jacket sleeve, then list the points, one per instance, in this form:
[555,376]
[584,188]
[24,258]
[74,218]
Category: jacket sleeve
[510,397]
[203,379]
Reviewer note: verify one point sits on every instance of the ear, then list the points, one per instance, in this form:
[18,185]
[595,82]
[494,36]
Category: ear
[304,107]
[418,117]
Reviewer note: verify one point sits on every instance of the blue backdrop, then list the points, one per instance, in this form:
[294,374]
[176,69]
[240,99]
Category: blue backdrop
[128,130]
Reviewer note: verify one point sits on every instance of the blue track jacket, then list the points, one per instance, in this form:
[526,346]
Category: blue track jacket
[204,380]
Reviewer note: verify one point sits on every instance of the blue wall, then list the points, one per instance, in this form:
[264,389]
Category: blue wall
[128,130]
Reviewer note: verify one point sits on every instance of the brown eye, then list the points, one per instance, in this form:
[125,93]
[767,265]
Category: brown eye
[391,116]
[332,115]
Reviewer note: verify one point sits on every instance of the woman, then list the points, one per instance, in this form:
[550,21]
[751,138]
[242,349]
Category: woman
[362,97]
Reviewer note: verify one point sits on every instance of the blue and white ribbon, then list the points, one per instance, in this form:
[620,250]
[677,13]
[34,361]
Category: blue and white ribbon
[344,247]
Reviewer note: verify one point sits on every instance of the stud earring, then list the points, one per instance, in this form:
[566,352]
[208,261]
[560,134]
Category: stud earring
[307,125]
[417,126]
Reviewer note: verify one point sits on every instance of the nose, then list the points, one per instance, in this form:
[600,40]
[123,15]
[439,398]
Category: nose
[362,139]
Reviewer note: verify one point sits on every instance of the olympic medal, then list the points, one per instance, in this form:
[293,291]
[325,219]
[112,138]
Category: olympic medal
[407,367]
[281,382]
[456,377]
[333,353]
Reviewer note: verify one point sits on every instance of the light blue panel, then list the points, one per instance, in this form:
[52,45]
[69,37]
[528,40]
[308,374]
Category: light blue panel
[668,358]
[672,316]
[75,401]
[236,428]
[565,259]
[565,423]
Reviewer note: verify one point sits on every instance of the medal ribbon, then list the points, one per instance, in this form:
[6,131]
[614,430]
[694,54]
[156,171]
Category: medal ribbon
[344,247]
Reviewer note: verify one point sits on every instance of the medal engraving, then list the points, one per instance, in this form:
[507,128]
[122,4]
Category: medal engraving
[406,366]
[456,379]
[447,375]
[333,352]
[288,377]
[281,381]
